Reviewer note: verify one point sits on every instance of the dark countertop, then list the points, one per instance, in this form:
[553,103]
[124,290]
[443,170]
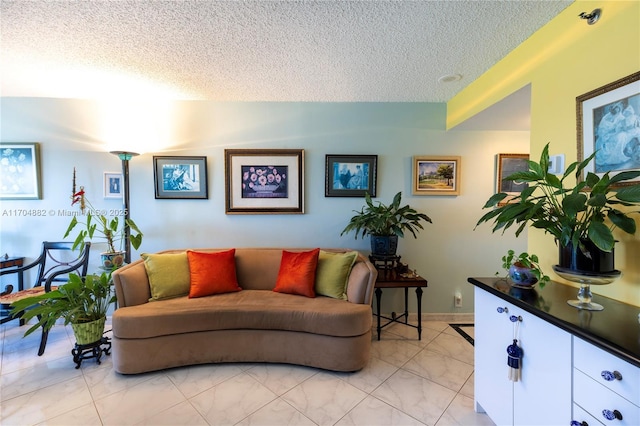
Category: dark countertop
[615,329]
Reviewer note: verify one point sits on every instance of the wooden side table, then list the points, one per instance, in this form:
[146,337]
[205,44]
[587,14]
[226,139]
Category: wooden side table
[391,278]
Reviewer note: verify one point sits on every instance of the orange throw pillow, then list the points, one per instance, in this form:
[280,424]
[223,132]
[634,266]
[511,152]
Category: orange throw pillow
[297,274]
[212,273]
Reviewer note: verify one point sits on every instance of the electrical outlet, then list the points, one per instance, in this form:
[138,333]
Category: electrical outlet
[457,299]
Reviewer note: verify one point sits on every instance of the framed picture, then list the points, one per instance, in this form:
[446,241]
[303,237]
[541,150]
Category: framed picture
[434,175]
[264,181]
[508,164]
[350,175]
[20,171]
[112,185]
[180,177]
[608,123]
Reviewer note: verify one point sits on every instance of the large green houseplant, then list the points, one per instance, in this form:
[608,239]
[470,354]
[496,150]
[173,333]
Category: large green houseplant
[79,301]
[99,225]
[576,215]
[380,220]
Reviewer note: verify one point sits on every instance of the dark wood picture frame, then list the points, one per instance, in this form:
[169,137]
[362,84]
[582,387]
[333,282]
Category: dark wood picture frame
[264,181]
[508,164]
[182,177]
[608,121]
[350,175]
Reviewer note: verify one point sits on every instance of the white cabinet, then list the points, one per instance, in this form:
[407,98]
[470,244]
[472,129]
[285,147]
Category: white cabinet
[604,386]
[543,394]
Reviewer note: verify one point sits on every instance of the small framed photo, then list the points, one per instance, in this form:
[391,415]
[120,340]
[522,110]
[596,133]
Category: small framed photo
[264,181]
[20,171]
[180,177]
[436,175]
[350,175]
[608,120]
[113,185]
[508,164]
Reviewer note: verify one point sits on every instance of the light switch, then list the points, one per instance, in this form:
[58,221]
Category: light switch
[556,164]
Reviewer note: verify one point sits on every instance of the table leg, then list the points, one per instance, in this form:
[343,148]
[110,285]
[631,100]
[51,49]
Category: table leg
[419,297]
[406,305]
[378,297]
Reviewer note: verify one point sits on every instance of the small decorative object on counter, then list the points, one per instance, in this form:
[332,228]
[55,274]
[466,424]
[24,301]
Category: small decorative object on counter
[514,355]
[514,352]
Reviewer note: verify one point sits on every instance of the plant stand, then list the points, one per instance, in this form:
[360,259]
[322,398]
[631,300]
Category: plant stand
[91,350]
[384,262]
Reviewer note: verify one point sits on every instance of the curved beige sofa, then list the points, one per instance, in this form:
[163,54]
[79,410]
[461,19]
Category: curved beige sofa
[252,325]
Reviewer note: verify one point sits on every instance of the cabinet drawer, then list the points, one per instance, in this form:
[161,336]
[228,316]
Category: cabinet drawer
[595,398]
[594,361]
[582,417]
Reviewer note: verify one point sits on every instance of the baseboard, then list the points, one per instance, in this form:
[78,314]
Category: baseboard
[458,318]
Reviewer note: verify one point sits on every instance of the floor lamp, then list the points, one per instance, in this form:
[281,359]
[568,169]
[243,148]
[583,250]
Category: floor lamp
[125,156]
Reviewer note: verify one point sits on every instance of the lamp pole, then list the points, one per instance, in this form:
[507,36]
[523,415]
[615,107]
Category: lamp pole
[125,156]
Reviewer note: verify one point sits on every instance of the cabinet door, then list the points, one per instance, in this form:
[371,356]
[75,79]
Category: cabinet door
[543,395]
[493,390]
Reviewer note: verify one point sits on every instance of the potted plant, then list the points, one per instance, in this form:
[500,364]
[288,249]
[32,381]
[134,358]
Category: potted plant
[385,223]
[524,269]
[99,225]
[575,215]
[81,302]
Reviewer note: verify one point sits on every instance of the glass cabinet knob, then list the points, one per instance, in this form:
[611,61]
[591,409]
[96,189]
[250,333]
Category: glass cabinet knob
[611,376]
[612,415]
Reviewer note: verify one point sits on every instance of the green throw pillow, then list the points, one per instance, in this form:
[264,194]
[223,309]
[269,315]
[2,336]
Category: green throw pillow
[333,272]
[168,274]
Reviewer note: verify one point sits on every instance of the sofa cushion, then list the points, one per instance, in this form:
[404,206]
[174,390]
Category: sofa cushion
[168,274]
[246,309]
[297,273]
[332,273]
[212,273]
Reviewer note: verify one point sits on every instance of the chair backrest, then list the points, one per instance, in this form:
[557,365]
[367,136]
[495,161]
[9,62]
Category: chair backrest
[58,259]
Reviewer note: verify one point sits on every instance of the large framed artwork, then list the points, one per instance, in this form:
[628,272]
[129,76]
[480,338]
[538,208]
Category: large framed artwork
[436,175]
[20,171]
[350,175]
[180,177]
[112,183]
[264,181]
[608,123]
[508,164]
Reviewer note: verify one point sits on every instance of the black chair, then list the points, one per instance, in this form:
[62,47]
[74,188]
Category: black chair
[55,262]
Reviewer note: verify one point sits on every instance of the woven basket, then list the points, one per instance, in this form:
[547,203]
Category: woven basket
[89,332]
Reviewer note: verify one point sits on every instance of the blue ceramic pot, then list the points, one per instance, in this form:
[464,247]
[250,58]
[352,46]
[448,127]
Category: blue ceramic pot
[522,275]
[384,245]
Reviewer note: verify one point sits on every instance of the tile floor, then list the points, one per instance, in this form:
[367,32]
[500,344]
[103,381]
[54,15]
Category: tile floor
[407,382]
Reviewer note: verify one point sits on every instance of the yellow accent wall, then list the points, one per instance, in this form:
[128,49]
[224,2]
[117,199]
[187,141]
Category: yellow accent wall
[565,59]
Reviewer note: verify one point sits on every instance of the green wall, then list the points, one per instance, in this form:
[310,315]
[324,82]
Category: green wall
[562,61]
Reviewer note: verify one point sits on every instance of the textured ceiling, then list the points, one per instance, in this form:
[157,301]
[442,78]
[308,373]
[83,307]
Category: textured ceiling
[334,51]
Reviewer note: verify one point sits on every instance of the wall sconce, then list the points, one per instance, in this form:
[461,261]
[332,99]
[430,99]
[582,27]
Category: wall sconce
[592,17]
[125,156]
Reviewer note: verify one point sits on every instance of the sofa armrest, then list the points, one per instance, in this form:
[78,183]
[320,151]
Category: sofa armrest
[362,281]
[132,284]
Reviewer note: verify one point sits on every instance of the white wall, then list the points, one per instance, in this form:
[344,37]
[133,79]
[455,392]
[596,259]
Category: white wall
[446,253]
